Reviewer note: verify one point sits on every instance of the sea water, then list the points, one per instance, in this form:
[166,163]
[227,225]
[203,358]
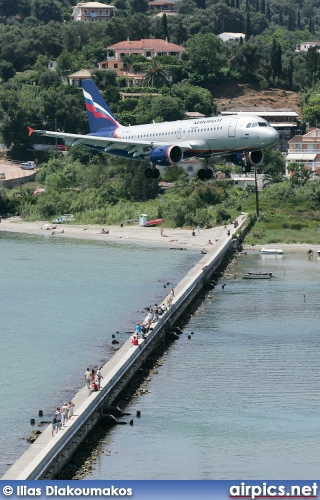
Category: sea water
[240,398]
[61,300]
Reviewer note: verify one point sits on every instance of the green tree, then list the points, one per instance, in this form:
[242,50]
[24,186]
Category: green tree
[248,30]
[167,108]
[156,75]
[300,174]
[47,10]
[14,8]
[205,58]
[7,71]
[194,98]
[135,186]
[140,6]
[104,78]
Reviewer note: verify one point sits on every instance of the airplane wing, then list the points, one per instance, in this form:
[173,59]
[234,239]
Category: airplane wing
[135,146]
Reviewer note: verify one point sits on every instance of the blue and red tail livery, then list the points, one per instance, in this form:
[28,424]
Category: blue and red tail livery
[99,114]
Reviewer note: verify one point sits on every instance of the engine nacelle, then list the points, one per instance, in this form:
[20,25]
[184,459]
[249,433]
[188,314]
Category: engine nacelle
[166,155]
[250,159]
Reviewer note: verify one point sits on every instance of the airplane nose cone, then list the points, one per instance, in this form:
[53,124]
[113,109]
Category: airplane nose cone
[273,136]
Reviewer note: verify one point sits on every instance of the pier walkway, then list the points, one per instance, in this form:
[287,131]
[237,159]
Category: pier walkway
[47,455]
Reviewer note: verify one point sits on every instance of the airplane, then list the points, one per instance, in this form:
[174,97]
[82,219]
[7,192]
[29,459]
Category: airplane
[238,139]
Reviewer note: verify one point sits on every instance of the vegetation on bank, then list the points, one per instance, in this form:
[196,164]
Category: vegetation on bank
[108,193]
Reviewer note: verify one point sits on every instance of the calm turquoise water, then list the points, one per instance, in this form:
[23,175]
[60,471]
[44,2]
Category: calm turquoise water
[61,300]
[241,398]
[238,400]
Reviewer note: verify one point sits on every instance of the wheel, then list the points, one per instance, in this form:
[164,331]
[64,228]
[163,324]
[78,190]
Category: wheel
[148,173]
[156,173]
[202,174]
[209,173]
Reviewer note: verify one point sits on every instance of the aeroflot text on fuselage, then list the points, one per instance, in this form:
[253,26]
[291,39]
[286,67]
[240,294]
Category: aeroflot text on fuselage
[202,122]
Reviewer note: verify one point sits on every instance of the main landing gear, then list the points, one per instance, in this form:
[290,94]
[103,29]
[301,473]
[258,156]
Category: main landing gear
[152,173]
[205,174]
[246,168]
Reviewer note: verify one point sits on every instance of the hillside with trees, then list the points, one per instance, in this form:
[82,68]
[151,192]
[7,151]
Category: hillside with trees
[265,62]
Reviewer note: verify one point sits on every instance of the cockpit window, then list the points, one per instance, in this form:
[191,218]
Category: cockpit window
[254,124]
[248,125]
[262,124]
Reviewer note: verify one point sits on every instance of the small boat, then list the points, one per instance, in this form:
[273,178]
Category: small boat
[271,250]
[257,276]
[155,222]
[318,252]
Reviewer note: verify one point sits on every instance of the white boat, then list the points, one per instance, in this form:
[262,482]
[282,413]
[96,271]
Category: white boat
[271,250]
[257,276]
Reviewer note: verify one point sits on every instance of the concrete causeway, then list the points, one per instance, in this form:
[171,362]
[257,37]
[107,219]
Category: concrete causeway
[47,455]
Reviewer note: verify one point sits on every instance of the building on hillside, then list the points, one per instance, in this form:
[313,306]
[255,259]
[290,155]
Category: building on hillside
[164,6]
[284,120]
[148,48]
[305,149]
[76,78]
[92,11]
[305,46]
[145,47]
[227,36]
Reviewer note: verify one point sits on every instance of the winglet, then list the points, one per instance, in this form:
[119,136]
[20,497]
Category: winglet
[30,131]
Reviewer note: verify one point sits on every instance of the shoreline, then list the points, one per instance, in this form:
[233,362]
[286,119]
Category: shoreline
[138,235]
[129,234]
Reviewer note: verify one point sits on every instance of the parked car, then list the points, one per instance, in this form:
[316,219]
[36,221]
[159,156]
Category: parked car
[28,165]
[2,175]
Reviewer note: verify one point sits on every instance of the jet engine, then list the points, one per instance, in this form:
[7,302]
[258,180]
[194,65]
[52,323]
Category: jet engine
[247,159]
[166,155]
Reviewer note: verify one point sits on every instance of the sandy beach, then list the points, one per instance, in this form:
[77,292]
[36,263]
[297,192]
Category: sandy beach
[171,238]
[134,234]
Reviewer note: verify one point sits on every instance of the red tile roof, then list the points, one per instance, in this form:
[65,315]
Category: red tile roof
[148,44]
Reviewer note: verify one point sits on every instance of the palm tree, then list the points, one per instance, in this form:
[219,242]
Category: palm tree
[156,75]
[273,178]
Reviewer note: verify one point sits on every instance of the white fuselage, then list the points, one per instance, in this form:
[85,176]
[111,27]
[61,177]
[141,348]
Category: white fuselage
[208,135]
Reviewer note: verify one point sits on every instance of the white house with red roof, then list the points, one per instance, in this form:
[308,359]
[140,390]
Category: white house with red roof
[305,149]
[92,11]
[165,6]
[146,47]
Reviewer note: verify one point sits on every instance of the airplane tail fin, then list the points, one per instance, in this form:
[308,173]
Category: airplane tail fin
[99,113]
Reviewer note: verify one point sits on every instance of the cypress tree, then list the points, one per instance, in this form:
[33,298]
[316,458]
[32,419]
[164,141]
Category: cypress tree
[290,20]
[281,17]
[165,27]
[227,3]
[268,13]
[290,72]
[257,6]
[247,6]
[232,4]
[237,4]
[299,21]
[263,7]
[248,32]
[274,59]
[279,62]
[181,32]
